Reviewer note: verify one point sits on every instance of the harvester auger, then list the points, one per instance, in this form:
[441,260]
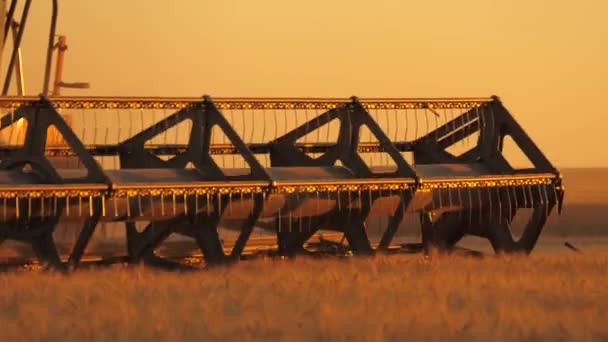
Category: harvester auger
[146,170]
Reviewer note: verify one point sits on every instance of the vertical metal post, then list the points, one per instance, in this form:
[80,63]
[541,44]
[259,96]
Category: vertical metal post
[61,47]
[49,51]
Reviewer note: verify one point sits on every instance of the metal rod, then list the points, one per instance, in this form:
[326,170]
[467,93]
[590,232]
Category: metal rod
[19,64]
[61,47]
[9,20]
[79,102]
[49,51]
[14,55]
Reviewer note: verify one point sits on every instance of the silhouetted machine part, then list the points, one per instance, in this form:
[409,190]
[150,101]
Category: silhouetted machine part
[294,167]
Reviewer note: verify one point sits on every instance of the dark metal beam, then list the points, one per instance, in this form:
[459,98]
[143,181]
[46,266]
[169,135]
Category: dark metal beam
[50,47]
[16,46]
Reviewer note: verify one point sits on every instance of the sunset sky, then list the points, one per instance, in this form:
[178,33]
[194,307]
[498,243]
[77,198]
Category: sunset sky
[547,60]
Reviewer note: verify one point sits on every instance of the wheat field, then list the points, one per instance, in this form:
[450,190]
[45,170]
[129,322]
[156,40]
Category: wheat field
[409,297]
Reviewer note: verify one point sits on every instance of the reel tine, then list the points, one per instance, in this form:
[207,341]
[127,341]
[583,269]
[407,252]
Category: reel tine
[406,123]
[185,204]
[152,210]
[470,205]
[42,207]
[426,119]
[276,124]
[166,130]
[263,139]
[162,204]
[196,205]
[445,119]
[103,205]
[440,193]
[546,195]
[490,206]
[555,194]
[219,204]
[509,217]
[118,138]
[208,204]
[452,119]
[541,198]
[515,199]
[498,194]
[360,199]
[128,202]
[139,205]
[437,126]
[480,200]
[449,195]
[252,116]
[318,200]
[415,123]
[230,203]
[350,204]
[279,220]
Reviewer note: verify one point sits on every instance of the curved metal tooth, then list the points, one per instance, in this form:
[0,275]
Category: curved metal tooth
[339,200]
[162,204]
[230,201]
[185,204]
[208,205]
[508,221]
[174,204]
[103,205]
[115,205]
[470,206]
[196,205]
[480,200]
[279,220]
[500,212]
[128,203]
[515,198]
[460,202]
[490,205]
[42,207]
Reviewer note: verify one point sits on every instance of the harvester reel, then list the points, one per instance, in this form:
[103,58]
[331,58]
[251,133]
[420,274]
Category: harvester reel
[276,161]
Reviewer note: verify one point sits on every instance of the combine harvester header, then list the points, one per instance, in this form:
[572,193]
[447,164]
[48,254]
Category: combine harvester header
[292,166]
[153,168]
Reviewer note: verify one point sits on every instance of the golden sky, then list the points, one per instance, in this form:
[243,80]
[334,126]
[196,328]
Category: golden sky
[546,59]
